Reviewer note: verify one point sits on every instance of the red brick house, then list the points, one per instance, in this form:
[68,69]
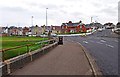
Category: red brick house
[13,30]
[56,29]
[25,31]
[73,27]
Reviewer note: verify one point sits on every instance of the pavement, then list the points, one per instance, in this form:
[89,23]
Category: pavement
[66,59]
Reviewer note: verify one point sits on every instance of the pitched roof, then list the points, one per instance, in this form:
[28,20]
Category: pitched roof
[72,24]
[56,27]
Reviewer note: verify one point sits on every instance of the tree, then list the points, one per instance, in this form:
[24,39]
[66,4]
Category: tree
[80,21]
[118,25]
[36,29]
[70,22]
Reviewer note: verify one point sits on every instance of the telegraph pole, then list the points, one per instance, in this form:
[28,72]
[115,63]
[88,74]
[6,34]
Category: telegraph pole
[91,19]
[46,16]
[32,20]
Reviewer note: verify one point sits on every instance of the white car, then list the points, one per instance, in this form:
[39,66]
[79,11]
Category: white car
[100,29]
[53,35]
[117,30]
[43,35]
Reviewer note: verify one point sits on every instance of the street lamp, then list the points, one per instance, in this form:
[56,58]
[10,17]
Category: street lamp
[46,16]
[32,20]
[49,33]
[91,19]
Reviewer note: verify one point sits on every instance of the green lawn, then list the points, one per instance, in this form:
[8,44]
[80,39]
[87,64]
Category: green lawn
[13,41]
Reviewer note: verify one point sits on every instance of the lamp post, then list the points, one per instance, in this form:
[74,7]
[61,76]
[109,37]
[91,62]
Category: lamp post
[46,16]
[49,33]
[91,19]
[32,20]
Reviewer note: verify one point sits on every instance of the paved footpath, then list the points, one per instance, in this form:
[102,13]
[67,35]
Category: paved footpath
[66,59]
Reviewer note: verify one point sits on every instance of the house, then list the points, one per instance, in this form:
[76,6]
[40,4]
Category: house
[20,30]
[73,27]
[35,30]
[25,31]
[109,25]
[13,30]
[56,29]
[3,31]
[46,29]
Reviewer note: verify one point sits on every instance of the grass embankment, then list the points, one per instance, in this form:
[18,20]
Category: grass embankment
[9,42]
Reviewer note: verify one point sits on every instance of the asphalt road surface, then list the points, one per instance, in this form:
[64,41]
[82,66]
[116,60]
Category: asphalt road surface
[103,46]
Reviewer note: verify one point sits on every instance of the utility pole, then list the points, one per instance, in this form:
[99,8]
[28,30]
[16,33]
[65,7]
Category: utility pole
[91,19]
[32,20]
[46,16]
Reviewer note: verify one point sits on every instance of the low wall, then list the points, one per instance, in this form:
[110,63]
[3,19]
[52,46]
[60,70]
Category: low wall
[18,62]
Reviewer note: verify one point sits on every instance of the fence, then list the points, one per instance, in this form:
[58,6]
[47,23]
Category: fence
[11,65]
[19,50]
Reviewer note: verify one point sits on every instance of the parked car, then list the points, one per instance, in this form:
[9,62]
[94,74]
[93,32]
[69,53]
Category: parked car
[53,35]
[109,27]
[100,29]
[117,31]
[117,28]
[43,35]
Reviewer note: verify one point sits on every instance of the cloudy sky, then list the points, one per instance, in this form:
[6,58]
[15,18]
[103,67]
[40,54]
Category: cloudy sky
[19,12]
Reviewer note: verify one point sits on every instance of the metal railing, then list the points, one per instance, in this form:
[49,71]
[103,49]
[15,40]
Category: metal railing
[19,50]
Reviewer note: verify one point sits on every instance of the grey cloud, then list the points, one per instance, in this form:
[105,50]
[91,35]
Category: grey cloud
[51,6]
[77,14]
[109,11]
[96,4]
[32,4]
[74,0]
[13,9]
[63,11]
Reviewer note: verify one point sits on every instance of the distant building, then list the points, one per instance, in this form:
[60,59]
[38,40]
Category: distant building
[96,25]
[119,11]
[20,30]
[46,29]
[13,30]
[56,29]
[35,30]
[109,25]
[25,31]
[3,31]
[73,27]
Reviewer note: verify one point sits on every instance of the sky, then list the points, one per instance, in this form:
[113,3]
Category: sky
[19,12]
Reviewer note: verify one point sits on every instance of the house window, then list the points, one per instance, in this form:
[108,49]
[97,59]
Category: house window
[53,28]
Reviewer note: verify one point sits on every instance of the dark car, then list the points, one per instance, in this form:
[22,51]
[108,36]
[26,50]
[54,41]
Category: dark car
[117,30]
[60,42]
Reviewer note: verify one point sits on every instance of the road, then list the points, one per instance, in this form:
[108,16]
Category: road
[103,46]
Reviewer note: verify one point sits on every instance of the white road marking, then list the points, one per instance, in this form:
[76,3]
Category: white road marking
[110,45]
[102,41]
[85,42]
